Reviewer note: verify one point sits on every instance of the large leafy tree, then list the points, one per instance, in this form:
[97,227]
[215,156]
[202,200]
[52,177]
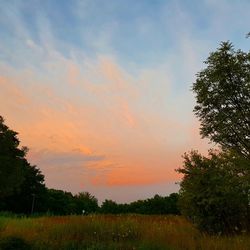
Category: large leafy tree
[223,99]
[21,184]
[12,160]
[215,190]
[31,196]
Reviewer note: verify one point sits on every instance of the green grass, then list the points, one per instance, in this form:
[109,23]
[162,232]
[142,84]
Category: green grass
[110,232]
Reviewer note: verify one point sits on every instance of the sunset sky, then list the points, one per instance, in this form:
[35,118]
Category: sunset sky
[99,90]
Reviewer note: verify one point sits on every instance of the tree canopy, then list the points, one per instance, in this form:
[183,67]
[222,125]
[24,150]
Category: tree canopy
[214,192]
[86,203]
[12,160]
[223,98]
[19,181]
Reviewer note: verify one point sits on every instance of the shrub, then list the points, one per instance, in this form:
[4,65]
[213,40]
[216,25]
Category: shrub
[14,243]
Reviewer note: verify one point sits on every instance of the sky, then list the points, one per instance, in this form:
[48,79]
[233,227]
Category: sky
[100,91]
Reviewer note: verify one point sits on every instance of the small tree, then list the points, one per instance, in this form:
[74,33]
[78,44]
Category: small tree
[60,202]
[109,207]
[86,202]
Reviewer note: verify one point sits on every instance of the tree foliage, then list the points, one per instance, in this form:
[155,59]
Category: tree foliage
[19,181]
[155,205]
[59,202]
[31,193]
[215,192]
[12,160]
[86,203]
[223,99]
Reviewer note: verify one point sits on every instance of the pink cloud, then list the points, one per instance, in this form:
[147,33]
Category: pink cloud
[81,111]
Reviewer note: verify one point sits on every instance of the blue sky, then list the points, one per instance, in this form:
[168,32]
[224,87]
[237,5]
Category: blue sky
[100,90]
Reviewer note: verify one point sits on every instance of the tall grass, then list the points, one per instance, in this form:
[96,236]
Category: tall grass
[115,232]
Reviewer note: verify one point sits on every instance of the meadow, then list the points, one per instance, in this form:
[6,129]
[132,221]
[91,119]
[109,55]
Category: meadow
[103,232]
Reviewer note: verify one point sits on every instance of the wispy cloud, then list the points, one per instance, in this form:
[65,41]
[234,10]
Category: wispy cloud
[75,157]
[100,93]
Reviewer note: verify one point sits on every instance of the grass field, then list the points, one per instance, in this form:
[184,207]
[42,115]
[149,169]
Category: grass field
[111,232]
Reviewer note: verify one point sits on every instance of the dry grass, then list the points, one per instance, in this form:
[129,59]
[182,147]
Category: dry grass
[115,232]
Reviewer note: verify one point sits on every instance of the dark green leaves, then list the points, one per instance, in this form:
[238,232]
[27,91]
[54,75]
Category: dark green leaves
[214,193]
[12,160]
[223,99]
[215,190]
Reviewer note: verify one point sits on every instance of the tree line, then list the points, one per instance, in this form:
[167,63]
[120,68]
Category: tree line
[23,191]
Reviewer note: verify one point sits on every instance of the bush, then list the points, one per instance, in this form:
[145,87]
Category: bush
[214,192]
[14,243]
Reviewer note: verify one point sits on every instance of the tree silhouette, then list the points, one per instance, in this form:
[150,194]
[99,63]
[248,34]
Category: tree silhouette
[12,160]
[223,99]
[215,190]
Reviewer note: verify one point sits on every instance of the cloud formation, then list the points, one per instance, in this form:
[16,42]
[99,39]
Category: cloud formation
[104,104]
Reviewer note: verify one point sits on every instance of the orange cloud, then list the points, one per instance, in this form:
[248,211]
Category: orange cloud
[113,73]
[133,176]
[11,92]
[128,115]
[137,176]
[97,109]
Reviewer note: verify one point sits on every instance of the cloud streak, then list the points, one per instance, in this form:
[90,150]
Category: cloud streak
[75,157]
[105,103]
